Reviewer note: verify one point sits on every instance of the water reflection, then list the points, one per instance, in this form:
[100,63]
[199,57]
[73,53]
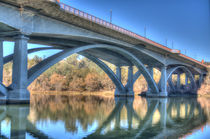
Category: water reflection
[19,125]
[101,117]
[164,118]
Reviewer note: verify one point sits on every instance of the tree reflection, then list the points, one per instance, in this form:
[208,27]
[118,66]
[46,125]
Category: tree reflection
[115,117]
[71,109]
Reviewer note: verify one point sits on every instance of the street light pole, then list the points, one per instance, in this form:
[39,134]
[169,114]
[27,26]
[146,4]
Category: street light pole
[111,16]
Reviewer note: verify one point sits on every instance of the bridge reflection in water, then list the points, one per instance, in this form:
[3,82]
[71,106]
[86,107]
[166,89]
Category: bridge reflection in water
[127,118]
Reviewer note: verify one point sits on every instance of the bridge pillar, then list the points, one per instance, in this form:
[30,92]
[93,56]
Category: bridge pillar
[186,79]
[163,84]
[178,81]
[170,82]
[130,81]
[1,60]
[118,74]
[19,92]
[186,82]
[200,79]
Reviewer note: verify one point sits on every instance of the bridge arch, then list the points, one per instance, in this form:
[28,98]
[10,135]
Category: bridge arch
[186,71]
[105,40]
[38,69]
[101,64]
[3,89]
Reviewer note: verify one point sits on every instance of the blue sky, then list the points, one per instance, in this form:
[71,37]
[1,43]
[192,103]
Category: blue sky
[183,22]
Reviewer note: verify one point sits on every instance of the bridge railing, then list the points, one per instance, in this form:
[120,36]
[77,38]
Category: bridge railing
[109,25]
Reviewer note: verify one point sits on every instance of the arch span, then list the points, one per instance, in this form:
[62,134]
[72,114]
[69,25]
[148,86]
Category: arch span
[186,70]
[38,69]
[3,89]
[101,64]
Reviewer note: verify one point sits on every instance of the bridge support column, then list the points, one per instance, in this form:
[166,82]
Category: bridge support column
[186,79]
[170,82]
[118,74]
[1,60]
[19,92]
[186,82]
[200,80]
[130,91]
[178,81]
[163,85]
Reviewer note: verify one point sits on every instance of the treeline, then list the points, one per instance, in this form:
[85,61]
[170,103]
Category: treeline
[72,74]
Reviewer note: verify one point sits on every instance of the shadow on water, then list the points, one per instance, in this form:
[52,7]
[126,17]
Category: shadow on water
[103,117]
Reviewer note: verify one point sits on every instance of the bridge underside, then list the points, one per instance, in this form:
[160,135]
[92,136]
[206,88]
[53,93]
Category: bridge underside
[69,39]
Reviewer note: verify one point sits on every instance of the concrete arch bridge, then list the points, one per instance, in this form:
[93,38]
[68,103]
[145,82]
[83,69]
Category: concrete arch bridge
[72,31]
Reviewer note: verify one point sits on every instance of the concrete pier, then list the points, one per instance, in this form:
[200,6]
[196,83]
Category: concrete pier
[130,81]
[19,92]
[163,89]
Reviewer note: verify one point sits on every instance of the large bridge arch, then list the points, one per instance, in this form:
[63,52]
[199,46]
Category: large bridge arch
[35,71]
[92,38]
[100,63]
[194,69]
[186,71]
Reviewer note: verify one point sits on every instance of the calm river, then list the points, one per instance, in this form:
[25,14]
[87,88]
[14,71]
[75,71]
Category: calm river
[80,116]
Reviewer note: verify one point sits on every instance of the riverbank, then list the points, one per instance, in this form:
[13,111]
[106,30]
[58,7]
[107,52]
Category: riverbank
[69,93]
[99,93]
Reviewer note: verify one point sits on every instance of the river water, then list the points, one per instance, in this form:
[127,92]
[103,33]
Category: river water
[85,116]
